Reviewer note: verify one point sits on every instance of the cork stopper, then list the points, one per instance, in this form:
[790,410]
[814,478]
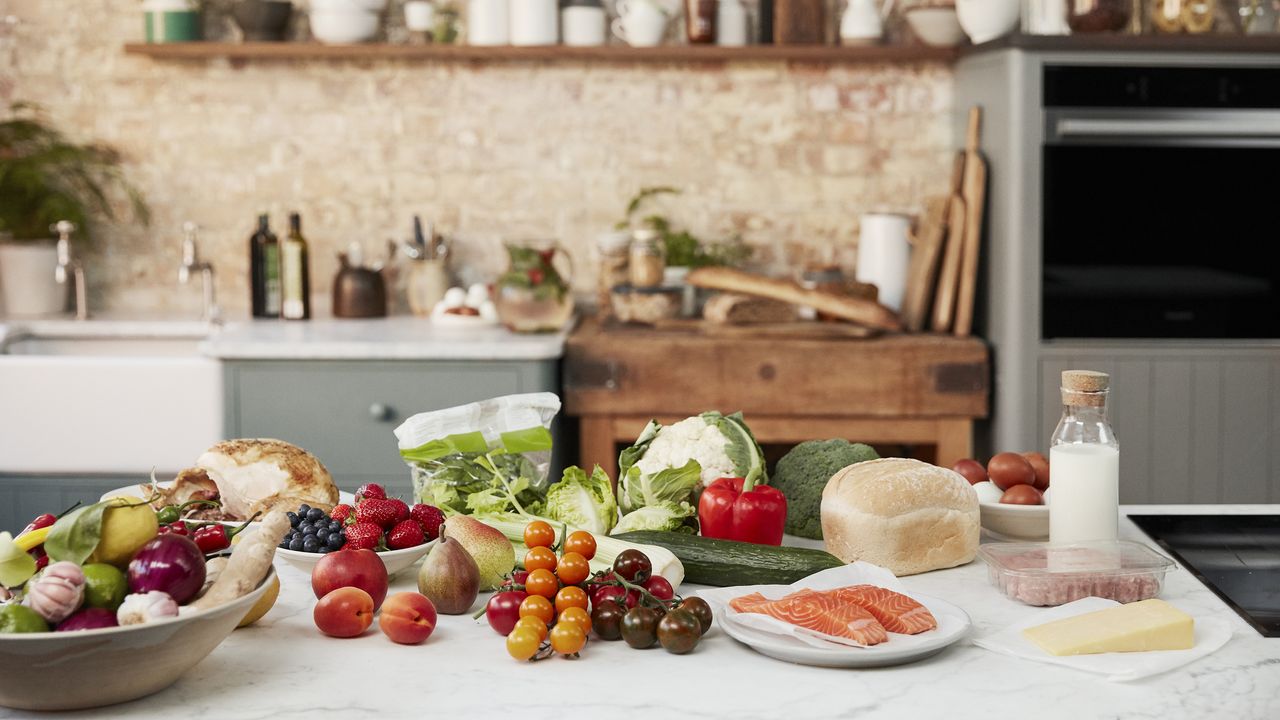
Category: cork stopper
[1085,387]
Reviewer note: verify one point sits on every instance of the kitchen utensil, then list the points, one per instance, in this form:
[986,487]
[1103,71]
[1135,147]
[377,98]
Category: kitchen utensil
[944,301]
[974,193]
[640,23]
[883,251]
[93,668]
[731,23]
[396,561]
[935,25]
[986,20]
[534,23]
[262,20]
[419,15]
[488,22]
[799,22]
[582,23]
[862,23]
[358,291]
[922,274]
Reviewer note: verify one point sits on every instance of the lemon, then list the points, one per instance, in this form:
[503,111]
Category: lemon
[126,526]
[264,604]
[21,619]
[104,586]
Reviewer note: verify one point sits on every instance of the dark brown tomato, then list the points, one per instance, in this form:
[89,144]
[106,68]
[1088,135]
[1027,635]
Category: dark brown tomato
[700,610]
[679,632]
[640,627]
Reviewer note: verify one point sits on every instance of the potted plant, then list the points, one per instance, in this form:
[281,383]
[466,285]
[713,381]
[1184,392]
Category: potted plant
[44,178]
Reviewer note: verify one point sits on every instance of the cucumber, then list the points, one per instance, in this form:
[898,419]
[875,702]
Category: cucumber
[708,561]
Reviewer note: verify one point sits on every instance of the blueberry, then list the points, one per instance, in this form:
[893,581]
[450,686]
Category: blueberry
[295,543]
[310,545]
[304,509]
[322,534]
[294,519]
[334,526]
[304,526]
[315,514]
[336,541]
[284,543]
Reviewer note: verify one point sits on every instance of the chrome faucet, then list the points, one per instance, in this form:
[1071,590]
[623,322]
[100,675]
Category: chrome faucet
[191,262]
[67,263]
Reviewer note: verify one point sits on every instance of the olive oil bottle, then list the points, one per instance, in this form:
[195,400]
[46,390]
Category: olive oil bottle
[295,275]
[264,270]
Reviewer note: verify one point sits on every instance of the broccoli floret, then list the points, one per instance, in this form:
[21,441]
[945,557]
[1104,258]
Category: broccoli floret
[803,473]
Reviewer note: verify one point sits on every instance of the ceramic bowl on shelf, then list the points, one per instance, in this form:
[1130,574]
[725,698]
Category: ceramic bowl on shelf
[986,20]
[342,22]
[1015,522]
[935,25]
[262,20]
[93,668]
[397,561]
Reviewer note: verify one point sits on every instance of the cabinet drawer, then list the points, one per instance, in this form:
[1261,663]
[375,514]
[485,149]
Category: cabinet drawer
[345,412]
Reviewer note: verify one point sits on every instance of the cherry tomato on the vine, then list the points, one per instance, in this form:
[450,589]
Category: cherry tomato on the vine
[534,623]
[573,568]
[567,638]
[581,542]
[523,643]
[578,616]
[538,607]
[540,558]
[542,582]
[571,596]
[659,587]
[539,533]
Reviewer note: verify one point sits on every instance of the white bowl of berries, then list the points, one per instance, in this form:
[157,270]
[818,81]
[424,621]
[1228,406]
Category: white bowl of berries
[400,534]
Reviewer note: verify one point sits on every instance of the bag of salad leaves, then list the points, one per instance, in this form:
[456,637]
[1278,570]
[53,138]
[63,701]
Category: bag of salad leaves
[483,457]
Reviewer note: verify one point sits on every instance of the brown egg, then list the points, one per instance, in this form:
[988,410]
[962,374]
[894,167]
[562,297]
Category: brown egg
[1022,495]
[972,470]
[1040,464]
[1008,469]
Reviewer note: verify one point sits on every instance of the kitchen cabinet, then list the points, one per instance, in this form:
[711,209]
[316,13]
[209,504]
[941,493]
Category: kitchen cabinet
[24,496]
[345,411]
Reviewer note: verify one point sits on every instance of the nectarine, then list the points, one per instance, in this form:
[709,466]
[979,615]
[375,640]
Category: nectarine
[345,612]
[408,618]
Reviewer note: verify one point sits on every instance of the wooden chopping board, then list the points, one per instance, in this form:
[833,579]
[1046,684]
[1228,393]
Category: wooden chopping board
[922,273]
[974,193]
[944,301]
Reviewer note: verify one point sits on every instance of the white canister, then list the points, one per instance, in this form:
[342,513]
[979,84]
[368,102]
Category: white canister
[883,252]
[534,22]
[419,15]
[731,23]
[488,22]
[582,25]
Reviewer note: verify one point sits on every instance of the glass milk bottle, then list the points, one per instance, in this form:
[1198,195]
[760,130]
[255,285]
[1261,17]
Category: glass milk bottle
[1085,460]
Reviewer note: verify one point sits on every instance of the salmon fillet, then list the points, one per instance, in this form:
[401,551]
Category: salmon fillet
[895,611]
[822,612]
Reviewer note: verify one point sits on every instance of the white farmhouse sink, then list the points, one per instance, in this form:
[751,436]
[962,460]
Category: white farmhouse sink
[104,396]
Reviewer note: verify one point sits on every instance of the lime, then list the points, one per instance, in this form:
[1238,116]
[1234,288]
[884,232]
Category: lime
[104,586]
[16,618]
[126,526]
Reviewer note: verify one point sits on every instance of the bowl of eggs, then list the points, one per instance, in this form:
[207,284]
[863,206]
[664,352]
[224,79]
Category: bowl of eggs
[468,308]
[1013,494]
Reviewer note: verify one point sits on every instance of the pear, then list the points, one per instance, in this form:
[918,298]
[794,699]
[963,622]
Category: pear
[492,551]
[449,577]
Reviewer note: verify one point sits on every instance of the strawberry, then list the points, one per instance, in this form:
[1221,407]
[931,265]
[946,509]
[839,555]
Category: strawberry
[371,491]
[379,511]
[362,536]
[430,518]
[402,510]
[405,534]
[341,512]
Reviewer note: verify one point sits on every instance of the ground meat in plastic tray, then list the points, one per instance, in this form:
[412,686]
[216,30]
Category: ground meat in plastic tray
[1059,588]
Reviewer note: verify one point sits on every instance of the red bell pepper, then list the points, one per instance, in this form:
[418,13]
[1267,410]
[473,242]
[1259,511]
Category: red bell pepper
[732,509]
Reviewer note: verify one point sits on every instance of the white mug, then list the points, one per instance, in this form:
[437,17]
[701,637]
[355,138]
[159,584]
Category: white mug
[640,23]
[861,24]
[534,22]
[582,25]
[419,15]
[487,22]
[883,250]
[731,23]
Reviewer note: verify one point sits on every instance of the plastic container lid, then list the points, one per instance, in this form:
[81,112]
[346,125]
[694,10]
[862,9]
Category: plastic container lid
[1053,574]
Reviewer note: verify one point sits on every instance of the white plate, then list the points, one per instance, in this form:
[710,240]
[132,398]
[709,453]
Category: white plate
[132,491]
[953,625]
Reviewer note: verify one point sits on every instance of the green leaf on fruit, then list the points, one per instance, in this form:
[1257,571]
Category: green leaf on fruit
[77,534]
[16,566]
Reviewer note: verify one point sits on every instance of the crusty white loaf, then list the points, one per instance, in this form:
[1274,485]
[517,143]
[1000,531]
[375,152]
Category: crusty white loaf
[901,514]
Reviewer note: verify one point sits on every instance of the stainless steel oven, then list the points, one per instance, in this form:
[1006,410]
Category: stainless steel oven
[1160,200]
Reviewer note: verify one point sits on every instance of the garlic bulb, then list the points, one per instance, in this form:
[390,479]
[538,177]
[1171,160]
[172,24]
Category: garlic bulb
[58,592]
[140,608]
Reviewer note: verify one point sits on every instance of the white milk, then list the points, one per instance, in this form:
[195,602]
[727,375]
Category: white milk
[1086,492]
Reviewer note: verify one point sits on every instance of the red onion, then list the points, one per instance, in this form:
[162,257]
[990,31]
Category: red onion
[88,619]
[169,563]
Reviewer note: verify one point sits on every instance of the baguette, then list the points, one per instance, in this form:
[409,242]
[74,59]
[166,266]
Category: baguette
[857,310]
[735,309]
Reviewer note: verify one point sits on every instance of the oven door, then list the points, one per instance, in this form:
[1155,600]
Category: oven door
[1161,224]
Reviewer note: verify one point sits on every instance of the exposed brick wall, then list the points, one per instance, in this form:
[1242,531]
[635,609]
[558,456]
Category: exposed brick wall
[785,156]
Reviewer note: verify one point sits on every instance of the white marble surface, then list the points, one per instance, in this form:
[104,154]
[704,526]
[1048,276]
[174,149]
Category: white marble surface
[283,668]
[394,338]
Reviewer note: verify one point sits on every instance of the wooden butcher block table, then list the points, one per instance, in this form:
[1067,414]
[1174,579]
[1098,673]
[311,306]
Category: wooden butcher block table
[914,390]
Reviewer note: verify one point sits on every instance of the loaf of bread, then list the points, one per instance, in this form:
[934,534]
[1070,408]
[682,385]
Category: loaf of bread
[901,514]
[838,305]
[735,309]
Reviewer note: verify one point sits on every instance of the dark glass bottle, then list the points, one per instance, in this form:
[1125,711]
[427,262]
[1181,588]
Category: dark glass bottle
[264,270]
[295,276]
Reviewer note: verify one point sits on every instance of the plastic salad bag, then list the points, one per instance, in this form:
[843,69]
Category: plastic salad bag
[488,456]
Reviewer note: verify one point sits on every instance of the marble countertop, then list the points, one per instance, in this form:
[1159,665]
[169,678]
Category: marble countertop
[393,338]
[284,668]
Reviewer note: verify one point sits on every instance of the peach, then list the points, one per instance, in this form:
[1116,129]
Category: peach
[345,612]
[408,618]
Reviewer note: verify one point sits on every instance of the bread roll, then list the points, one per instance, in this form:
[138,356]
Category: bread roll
[901,514]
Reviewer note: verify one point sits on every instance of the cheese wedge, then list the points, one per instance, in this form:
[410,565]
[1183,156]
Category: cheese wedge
[1136,627]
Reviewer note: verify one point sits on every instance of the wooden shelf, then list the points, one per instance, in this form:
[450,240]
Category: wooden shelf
[1115,42]
[611,54]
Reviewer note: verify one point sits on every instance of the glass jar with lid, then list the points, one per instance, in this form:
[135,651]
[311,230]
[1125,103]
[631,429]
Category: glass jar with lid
[648,259]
